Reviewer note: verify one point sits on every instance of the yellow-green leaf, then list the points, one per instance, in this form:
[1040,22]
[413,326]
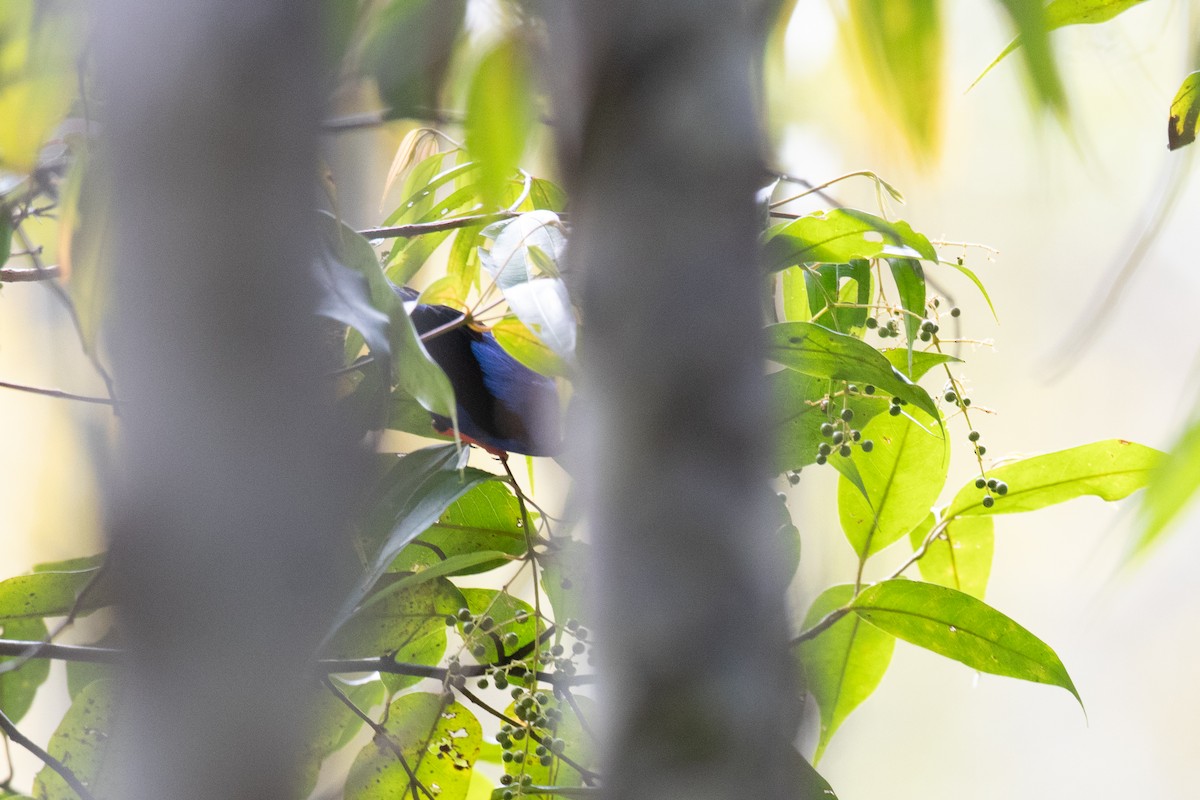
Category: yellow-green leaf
[1185,113]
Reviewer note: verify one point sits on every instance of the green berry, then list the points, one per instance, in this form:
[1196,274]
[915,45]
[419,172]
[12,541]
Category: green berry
[926,336]
[973,436]
[483,683]
[894,411]
[872,323]
[966,401]
[506,779]
[992,483]
[451,620]
[980,450]
[546,761]
[988,501]
[956,311]
[844,450]
[980,483]
[479,651]
[468,627]
[951,397]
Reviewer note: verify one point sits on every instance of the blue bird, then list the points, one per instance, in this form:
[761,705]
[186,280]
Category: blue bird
[503,406]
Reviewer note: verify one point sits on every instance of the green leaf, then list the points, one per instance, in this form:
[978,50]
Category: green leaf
[978,284]
[956,625]
[440,743]
[795,294]
[910,283]
[499,114]
[505,610]
[334,725]
[487,518]
[49,594]
[903,476]
[921,362]
[566,575]
[510,260]
[80,741]
[6,234]
[17,688]
[808,783]
[833,288]
[1111,470]
[813,350]
[960,557]
[797,416]
[789,540]
[889,33]
[82,673]
[528,348]
[1185,113]
[844,664]
[413,493]
[545,308]
[839,236]
[1172,485]
[1030,19]
[410,623]
[408,50]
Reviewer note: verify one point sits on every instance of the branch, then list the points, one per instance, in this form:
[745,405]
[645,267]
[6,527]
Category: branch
[50,761]
[27,274]
[421,228]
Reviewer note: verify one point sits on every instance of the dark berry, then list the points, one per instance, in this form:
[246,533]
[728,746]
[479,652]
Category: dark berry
[980,450]
[838,436]
[844,450]
[988,501]
[973,436]
[868,446]
[821,460]
[980,483]
[894,411]
[872,323]
[951,397]
[826,429]
[868,389]
[1002,488]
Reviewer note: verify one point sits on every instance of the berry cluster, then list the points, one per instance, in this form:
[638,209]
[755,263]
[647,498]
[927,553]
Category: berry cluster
[842,437]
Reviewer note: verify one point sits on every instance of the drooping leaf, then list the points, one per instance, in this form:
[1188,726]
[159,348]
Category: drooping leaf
[958,626]
[817,351]
[889,35]
[499,114]
[844,664]
[440,743]
[960,557]
[1172,485]
[975,280]
[411,496]
[1185,113]
[839,236]
[17,688]
[408,51]
[903,476]
[507,615]
[1030,19]
[1111,470]
[922,362]
[81,742]
[910,283]
[487,518]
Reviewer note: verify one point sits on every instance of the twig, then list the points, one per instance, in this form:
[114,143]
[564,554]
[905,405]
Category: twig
[50,761]
[380,733]
[61,395]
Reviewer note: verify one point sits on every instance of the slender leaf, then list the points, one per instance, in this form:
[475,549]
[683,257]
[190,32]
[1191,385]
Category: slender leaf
[903,476]
[1185,113]
[440,742]
[49,594]
[817,351]
[499,114]
[1173,484]
[958,626]
[844,664]
[921,362]
[1031,21]
[978,284]
[839,236]
[1111,470]
[910,283]
[961,556]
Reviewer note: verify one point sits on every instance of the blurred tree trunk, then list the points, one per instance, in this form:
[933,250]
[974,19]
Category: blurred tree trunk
[661,146]
[229,501]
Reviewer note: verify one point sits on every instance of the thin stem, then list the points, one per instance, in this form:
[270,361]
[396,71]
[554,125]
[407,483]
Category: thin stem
[58,394]
[50,761]
[29,274]
[825,185]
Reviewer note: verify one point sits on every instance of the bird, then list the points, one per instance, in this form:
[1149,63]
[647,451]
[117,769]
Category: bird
[502,405]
